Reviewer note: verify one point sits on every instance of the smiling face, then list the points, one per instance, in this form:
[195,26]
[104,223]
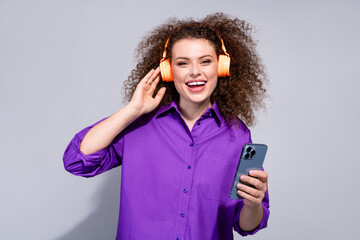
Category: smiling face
[194,68]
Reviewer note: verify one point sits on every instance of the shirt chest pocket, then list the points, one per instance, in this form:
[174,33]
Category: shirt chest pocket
[217,173]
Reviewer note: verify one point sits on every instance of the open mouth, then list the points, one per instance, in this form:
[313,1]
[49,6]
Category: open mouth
[194,84]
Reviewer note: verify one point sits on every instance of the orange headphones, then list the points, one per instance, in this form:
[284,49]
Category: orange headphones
[223,63]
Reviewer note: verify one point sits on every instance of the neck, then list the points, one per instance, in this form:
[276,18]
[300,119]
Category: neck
[191,112]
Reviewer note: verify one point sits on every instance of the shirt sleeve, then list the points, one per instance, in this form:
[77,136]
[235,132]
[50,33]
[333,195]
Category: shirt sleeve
[240,205]
[263,223]
[77,163]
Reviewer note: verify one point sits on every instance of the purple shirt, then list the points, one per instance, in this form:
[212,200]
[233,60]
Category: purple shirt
[175,183]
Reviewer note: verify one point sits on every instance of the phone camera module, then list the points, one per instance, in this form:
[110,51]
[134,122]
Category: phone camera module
[252,153]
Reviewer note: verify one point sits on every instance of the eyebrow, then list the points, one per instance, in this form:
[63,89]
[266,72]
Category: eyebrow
[186,58]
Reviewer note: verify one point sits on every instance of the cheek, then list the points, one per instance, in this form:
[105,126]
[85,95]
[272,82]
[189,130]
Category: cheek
[213,75]
[179,76]
[178,82]
[215,70]
[178,73]
[214,86]
[177,86]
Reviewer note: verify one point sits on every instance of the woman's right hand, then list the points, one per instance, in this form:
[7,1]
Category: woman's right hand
[142,100]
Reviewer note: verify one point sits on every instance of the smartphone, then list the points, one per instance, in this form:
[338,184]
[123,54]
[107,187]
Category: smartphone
[252,158]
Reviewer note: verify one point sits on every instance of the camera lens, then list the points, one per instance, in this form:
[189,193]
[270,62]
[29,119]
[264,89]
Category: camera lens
[252,153]
[247,155]
[248,149]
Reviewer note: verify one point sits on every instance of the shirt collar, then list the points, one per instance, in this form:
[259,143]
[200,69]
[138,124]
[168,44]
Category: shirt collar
[167,108]
[213,111]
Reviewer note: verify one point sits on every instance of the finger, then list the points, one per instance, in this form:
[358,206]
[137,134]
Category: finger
[147,76]
[154,83]
[262,175]
[160,94]
[249,190]
[258,184]
[249,197]
[154,75]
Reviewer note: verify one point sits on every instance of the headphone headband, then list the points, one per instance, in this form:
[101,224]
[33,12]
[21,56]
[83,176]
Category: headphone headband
[199,24]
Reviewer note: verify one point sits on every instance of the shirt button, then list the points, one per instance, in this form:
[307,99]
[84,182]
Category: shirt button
[182,215]
[191,144]
[188,167]
[198,123]
[185,190]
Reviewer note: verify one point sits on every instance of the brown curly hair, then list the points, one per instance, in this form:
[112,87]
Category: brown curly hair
[239,94]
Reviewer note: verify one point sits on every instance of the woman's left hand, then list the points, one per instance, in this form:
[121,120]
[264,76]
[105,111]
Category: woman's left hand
[253,196]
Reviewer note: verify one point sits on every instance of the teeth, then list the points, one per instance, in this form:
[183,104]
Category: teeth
[196,83]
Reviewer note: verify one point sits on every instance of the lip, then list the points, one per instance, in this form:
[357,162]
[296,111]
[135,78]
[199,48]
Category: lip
[197,88]
[196,80]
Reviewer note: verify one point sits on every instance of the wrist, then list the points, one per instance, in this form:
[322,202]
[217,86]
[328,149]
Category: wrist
[134,110]
[253,207]
[250,217]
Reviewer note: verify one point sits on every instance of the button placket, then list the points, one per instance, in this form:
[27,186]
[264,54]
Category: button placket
[186,183]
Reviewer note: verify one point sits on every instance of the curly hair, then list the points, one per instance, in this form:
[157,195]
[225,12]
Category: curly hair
[237,95]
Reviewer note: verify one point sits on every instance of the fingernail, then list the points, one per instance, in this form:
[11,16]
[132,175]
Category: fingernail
[239,185]
[242,177]
[252,172]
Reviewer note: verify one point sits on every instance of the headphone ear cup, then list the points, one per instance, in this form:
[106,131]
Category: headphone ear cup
[223,66]
[165,69]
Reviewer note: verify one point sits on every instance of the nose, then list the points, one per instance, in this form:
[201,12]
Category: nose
[194,71]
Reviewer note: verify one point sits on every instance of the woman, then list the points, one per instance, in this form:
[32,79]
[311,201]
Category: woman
[179,138]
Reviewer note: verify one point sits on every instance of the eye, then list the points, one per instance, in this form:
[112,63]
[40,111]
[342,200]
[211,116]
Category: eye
[206,61]
[181,64]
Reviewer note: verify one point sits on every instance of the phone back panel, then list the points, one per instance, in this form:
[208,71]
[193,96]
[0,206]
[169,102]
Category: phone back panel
[252,158]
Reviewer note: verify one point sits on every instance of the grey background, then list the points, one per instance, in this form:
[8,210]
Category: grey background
[62,64]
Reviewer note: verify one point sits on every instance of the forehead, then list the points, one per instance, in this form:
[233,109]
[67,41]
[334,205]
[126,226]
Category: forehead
[192,47]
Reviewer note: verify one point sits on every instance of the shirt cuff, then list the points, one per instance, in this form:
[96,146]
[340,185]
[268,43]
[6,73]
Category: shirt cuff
[91,158]
[263,222]
[77,163]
